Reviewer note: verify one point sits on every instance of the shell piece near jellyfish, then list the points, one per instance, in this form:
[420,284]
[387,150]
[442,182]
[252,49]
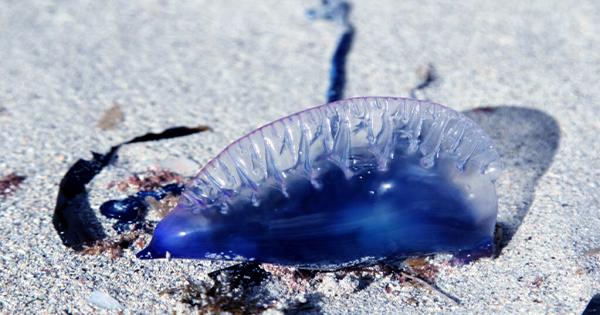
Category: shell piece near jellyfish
[357,180]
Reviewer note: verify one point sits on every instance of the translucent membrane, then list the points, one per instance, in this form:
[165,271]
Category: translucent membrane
[351,181]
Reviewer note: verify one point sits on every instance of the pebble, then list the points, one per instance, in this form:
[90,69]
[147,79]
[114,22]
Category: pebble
[104,300]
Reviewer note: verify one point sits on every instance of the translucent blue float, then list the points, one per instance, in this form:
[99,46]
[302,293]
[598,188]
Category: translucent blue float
[358,180]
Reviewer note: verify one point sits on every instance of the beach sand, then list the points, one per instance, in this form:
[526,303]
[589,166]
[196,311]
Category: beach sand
[526,71]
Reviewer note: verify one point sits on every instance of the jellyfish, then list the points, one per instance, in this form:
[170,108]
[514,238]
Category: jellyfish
[353,181]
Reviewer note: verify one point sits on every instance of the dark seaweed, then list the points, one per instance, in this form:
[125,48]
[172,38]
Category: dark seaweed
[335,10]
[73,219]
[233,290]
[10,183]
[428,77]
[311,305]
[241,275]
[170,133]
[337,74]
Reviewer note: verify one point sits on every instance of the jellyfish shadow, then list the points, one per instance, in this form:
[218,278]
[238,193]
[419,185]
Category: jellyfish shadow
[593,306]
[527,140]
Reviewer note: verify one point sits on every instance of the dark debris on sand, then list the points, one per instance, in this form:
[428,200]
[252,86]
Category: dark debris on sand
[234,290]
[116,246]
[9,184]
[149,180]
[111,118]
[242,288]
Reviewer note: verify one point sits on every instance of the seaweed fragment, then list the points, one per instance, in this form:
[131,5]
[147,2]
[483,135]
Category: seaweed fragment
[116,246]
[73,219]
[337,11]
[10,183]
[231,290]
[309,304]
[417,272]
[423,268]
[174,132]
[428,75]
[152,179]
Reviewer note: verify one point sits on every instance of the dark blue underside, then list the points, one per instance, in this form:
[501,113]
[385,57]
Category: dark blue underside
[404,212]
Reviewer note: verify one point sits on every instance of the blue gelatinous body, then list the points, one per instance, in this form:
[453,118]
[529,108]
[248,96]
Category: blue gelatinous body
[351,181]
[133,208]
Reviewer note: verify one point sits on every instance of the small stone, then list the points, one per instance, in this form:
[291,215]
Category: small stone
[104,300]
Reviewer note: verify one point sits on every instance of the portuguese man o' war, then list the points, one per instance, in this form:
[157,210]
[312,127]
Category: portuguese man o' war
[353,181]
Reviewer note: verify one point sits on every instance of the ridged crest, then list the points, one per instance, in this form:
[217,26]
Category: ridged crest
[351,181]
[331,131]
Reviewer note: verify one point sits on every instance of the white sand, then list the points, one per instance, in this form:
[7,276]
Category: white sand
[236,65]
